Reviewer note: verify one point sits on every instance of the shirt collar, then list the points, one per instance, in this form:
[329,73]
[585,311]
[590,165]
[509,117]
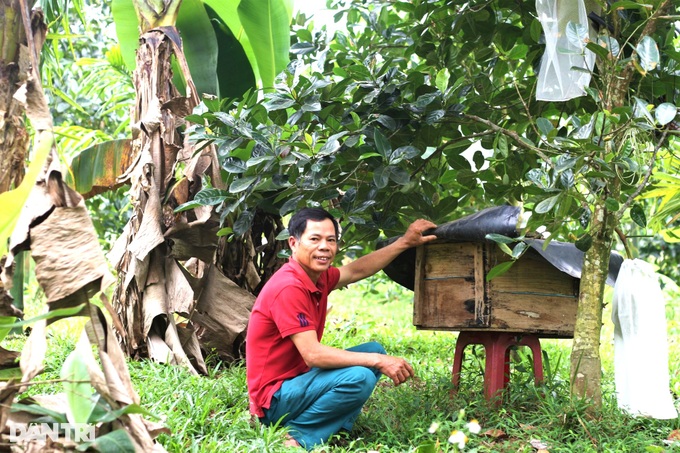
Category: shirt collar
[300,272]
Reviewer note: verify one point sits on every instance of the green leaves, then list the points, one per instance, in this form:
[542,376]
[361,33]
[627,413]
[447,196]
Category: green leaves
[637,215]
[241,184]
[499,270]
[79,392]
[547,205]
[382,145]
[665,113]
[577,34]
[267,22]
[442,80]
[584,243]
[97,168]
[117,441]
[383,174]
[247,38]
[648,53]
[200,45]
[348,128]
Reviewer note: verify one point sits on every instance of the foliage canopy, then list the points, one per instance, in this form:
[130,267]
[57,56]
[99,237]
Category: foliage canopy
[428,108]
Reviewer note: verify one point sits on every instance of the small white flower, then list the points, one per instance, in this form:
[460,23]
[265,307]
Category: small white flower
[433,428]
[473,426]
[459,438]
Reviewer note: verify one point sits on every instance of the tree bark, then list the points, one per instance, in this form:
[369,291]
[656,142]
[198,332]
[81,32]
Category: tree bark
[586,368]
[166,267]
[140,296]
[13,72]
[14,139]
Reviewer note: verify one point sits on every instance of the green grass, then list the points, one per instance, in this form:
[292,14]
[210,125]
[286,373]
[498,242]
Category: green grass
[210,413]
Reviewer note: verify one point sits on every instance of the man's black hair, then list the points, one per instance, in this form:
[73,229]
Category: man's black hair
[298,223]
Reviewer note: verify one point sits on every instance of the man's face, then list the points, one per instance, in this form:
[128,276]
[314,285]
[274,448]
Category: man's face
[316,248]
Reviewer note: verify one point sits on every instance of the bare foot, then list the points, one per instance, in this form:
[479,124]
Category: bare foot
[290,441]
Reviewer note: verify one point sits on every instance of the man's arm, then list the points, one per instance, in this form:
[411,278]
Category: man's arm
[369,264]
[318,355]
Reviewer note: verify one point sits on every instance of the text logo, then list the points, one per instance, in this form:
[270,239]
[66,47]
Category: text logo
[76,432]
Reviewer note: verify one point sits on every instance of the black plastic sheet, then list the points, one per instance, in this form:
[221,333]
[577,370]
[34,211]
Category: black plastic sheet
[567,258]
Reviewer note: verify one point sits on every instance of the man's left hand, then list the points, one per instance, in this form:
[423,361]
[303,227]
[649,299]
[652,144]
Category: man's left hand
[415,236]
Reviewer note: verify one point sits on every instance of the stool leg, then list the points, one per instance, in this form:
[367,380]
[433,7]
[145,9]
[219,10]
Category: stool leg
[458,356]
[497,368]
[534,343]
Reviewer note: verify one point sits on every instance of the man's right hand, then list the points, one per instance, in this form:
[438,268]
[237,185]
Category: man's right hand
[395,368]
[316,354]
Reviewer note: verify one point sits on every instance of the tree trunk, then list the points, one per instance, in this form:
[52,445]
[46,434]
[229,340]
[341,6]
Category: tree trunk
[13,72]
[586,368]
[174,303]
[13,136]
[140,297]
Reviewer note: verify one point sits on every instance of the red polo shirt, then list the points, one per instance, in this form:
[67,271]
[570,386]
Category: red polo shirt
[289,303]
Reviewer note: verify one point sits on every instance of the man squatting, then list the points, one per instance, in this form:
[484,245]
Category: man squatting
[313,389]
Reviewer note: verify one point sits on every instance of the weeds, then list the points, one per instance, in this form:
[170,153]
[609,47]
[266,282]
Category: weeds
[210,413]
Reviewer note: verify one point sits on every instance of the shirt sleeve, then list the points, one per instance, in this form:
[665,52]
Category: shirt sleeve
[291,311]
[333,278]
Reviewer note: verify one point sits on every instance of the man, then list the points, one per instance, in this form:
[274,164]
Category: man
[313,389]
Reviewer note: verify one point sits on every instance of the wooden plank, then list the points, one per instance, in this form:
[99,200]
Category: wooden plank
[419,299]
[539,332]
[454,259]
[482,308]
[447,304]
[531,274]
[451,292]
[529,312]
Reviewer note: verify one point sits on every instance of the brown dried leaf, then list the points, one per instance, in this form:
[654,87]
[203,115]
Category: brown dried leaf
[674,435]
[68,277]
[115,353]
[149,234]
[178,352]
[179,288]
[7,392]
[33,353]
[196,239]
[192,348]
[495,433]
[114,383]
[8,358]
[222,313]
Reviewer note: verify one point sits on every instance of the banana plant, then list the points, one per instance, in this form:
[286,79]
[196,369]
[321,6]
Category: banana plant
[231,46]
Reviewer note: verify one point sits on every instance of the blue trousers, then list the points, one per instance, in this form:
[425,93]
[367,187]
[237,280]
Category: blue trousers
[321,402]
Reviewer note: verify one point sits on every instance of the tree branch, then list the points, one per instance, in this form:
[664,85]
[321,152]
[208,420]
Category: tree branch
[513,135]
[645,180]
[442,147]
[624,241]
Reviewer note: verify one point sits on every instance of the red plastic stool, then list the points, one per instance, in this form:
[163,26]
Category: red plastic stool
[497,350]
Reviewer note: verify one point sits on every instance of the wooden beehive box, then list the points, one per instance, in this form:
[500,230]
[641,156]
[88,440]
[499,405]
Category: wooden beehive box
[451,291]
